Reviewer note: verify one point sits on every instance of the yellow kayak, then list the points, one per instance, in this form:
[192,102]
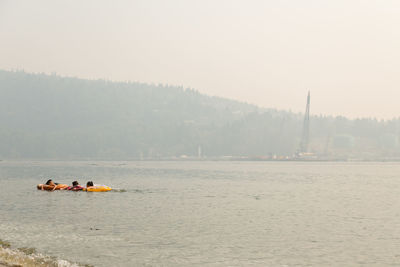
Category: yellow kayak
[98,188]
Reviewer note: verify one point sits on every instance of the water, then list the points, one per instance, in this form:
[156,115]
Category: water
[205,213]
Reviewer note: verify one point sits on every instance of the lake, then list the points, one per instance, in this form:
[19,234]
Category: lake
[202,214]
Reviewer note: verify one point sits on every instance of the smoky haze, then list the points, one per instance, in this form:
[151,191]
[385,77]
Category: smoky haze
[55,117]
[268,53]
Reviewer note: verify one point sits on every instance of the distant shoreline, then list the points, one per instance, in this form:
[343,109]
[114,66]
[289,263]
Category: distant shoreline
[201,160]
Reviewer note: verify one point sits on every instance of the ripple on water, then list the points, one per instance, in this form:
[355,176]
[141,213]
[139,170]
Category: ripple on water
[29,257]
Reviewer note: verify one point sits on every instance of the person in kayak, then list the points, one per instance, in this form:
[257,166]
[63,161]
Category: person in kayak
[75,186]
[50,183]
[89,184]
[90,187]
[51,186]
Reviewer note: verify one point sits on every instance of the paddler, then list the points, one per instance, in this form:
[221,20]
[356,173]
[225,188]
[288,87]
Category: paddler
[75,186]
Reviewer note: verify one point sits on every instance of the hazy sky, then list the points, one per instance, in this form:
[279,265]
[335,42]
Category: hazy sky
[270,53]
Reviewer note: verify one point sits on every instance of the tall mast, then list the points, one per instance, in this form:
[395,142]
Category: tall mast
[306,127]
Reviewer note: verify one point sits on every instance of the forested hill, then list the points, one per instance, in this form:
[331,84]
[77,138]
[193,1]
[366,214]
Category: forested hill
[53,117]
[47,116]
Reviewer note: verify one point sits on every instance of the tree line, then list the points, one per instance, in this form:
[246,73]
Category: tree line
[48,116]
